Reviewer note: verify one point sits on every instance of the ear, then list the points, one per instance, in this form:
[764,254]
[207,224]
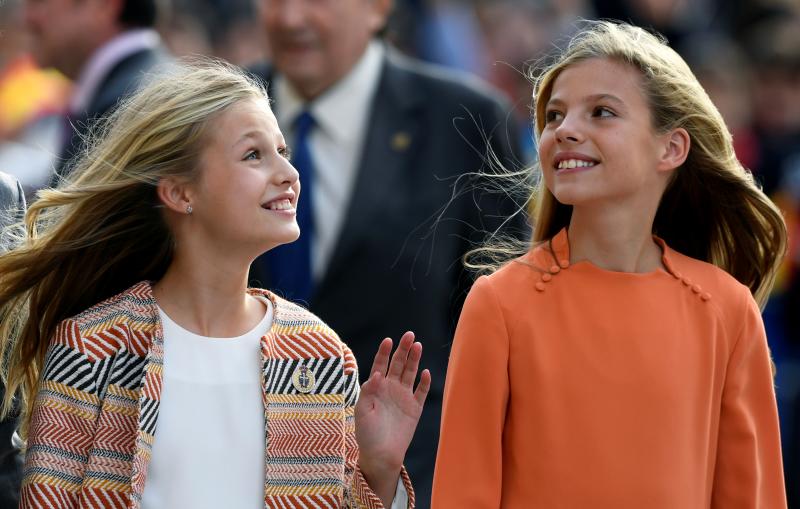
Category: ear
[175,194]
[675,149]
[379,13]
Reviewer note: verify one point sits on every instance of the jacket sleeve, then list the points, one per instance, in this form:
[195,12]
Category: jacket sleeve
[358,494]
[748,471]
[12,203]
[20,202]
[469,466]
[62,425]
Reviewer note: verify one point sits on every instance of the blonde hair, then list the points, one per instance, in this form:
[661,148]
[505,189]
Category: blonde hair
[103,229]
[712,210]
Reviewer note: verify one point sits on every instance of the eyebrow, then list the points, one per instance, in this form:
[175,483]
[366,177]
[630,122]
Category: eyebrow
[279,142]
[248,134]
[592,98]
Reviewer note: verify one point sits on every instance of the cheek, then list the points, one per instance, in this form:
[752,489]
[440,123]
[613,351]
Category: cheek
[546,142]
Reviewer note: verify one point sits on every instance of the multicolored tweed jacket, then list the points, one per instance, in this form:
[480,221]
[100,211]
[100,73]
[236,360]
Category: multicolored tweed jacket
[96,413]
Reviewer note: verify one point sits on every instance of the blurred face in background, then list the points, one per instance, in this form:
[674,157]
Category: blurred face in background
[64,33]
[315,43]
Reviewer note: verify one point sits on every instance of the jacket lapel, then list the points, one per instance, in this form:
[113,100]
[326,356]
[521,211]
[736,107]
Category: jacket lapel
[388,149]
[150,394]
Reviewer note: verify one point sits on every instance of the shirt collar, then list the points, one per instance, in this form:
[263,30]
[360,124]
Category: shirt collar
[560,251]
[104,59]
[338,110]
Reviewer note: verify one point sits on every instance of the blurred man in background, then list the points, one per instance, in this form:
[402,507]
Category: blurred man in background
[104,46]
[383,145]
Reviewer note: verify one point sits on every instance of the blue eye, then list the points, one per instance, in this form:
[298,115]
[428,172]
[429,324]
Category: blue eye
[285,153]
[253,155]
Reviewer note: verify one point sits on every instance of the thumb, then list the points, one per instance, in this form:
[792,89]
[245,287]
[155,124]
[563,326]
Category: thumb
[371,385]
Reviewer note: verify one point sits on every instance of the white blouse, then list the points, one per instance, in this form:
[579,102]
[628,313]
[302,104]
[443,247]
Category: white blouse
[209,444]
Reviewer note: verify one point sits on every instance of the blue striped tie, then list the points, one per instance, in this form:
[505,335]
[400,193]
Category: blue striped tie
[289,266]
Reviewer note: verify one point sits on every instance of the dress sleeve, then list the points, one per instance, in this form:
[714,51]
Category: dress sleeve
[748,471]
[358,494]
[63,424]
[469,464]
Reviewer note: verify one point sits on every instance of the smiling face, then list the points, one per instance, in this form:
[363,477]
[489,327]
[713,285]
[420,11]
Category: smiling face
[247,190]
[598,145]
[314,43]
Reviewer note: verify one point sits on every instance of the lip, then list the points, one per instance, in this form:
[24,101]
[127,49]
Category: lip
[565,156]
[289,195]
[296,46]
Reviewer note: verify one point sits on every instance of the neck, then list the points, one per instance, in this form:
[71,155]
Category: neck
[207,294]
[614,239]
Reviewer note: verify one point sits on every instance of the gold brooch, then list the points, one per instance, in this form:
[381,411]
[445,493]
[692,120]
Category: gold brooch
[303,379]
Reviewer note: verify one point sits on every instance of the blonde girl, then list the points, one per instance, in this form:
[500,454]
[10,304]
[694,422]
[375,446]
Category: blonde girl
[621,362]
[149,374]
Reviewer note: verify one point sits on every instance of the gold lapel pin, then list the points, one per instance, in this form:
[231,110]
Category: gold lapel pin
[401,141]
[303,379]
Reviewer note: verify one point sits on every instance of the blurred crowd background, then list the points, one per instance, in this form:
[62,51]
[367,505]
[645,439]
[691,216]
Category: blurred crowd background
[746,54]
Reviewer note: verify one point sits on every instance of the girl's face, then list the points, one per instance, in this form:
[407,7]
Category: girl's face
[247,191]
[598,145]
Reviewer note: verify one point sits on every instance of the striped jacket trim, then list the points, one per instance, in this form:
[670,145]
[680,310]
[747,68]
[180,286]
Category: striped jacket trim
[96,411]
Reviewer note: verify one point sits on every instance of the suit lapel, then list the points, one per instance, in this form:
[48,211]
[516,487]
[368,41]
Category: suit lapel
[391,135]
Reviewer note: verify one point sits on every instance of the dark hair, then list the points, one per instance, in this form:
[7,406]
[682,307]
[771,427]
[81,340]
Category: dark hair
[139,13]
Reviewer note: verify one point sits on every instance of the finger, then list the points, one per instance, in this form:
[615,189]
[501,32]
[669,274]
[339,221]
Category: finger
[381,361]
[400,356]
[410,373]
[423,387]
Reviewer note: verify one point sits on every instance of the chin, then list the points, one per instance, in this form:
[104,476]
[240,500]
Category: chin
[570,197]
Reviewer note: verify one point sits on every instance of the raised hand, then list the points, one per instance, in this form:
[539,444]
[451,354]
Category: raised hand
[387,413]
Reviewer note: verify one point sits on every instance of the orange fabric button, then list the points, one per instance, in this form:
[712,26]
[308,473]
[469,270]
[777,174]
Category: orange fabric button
[546,277]
[686,281]
[540,286]
[696,288]
[705,296]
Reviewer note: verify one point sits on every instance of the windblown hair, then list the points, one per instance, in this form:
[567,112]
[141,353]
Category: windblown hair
[103,229]
[712,210]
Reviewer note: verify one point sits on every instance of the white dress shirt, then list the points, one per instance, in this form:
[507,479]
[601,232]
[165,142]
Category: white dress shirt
[342,117]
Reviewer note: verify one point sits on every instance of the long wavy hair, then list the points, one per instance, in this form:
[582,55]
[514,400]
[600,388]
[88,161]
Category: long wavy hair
[103,229]
[712,210]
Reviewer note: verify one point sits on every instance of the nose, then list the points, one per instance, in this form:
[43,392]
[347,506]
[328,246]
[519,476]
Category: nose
[30,14]
[287,174]
[568,131]
[287,13]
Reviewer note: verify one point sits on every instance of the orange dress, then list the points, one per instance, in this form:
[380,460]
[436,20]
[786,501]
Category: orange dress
[574,387]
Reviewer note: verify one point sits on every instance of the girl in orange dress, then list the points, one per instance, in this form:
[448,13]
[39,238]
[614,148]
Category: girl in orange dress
[621,361]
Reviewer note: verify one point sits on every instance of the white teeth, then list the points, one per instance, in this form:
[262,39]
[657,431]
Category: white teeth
[280,205]
[574,163]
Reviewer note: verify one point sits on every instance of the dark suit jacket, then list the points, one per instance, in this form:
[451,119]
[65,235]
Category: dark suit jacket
[12,208]
[123,78]
[397,264]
